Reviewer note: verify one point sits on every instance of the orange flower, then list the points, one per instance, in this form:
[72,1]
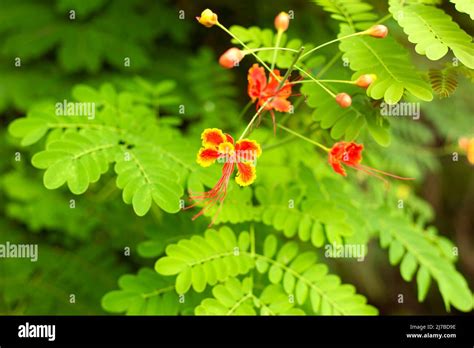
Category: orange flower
[350,154]
[220,147]
[269,93]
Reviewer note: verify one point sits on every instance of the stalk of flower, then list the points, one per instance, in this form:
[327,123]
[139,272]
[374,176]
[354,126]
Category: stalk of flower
[209,19]
[241,156]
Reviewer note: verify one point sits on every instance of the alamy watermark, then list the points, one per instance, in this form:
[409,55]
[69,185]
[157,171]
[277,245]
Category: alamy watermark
[239,156]
[21,251]
[401,109]
[346,251]
[84,109]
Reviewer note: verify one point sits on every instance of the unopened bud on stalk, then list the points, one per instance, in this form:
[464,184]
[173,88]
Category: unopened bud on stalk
[344,100]
[282,21]
[378,31]
[365,80]
[231,58]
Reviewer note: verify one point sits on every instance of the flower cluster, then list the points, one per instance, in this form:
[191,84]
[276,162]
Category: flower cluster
[269,94]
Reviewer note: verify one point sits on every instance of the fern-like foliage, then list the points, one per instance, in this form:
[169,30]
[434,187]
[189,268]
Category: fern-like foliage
[146,293]
[423,254]
[357,14]
[151,158]
[465,6]
[237,298]
[348,122]
[444,82]
[395,73]
[366,55]
[433,32]
[220,256]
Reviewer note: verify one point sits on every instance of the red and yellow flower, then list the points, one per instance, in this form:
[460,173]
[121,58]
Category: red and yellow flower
[350,154]
[268,93]
[241,155]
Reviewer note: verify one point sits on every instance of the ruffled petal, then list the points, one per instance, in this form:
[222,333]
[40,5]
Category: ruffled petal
[337,166]
[207,156]
[248,149]
[354,153]
[246,174]
[257,81]
[280,104]
[212,137]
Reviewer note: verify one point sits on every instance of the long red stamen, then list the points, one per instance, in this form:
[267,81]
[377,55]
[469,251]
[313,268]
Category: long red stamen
[214,196]
[385,173]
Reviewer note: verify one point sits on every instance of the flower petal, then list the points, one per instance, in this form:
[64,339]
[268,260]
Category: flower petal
[280,104]
[257,81]
[337,166]
[207,156]
[212,137]
[248,149]
[353,152]
[246,174]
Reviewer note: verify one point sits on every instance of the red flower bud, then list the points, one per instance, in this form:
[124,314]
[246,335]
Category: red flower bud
[231,58]
[378,31]
[365,80]
[208,18]
[282,21]
[344,100]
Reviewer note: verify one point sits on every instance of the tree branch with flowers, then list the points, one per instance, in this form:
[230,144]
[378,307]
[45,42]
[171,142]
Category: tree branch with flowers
[282,195]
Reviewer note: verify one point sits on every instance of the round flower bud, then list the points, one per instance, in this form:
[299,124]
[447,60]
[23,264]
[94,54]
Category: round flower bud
[231,58]
[365,80]
[344,100]
[378,31]
[282,21]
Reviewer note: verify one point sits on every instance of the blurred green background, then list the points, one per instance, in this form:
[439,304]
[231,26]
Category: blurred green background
[82,249]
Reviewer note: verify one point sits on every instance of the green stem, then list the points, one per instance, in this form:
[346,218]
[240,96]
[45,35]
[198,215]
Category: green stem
[331,81]
[304,138]
[275,52]
[317,81]
[332,41]
[270,49]
[245,109]
[253,119]
[246,47]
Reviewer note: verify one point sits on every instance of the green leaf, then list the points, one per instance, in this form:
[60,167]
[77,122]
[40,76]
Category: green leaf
[199,261]
[389,61]
[423,281]
[433,32]
[408,267]
[146,293]
[466,6]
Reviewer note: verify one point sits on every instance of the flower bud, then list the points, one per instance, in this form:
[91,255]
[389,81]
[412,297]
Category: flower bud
[231,58]
[282,21]
[378,31]
[365,80]
[208,18]
[344,100]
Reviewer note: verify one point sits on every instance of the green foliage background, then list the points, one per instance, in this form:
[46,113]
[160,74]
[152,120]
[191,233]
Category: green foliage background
[266,253]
